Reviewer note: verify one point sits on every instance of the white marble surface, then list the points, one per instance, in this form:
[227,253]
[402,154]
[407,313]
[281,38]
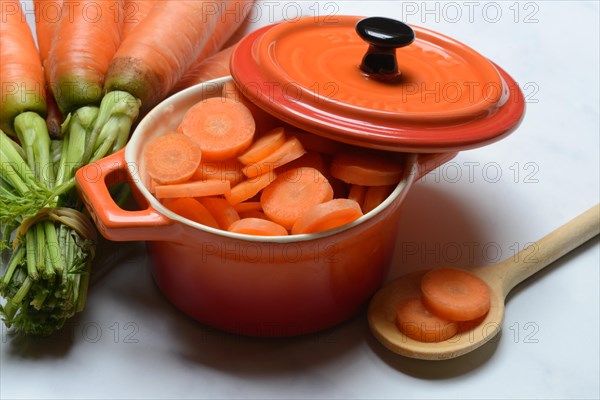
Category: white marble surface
[130,343]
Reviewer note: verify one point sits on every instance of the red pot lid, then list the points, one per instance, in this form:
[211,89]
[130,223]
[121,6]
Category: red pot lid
[315,74]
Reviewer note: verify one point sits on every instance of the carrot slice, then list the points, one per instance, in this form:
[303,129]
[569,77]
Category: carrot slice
[310,159]
[192,189]
[455,294]
[293,193]
[191,209]
[263,146]
[358,193]
[329,215]
[249,188]
[416,322]
[258,226]
[374,196]
[317,143]
[289,151]
[253,214]
[221,210]
[248,206]
[223,128]
[171,158]
[367,168]
[264,121]
[228,170]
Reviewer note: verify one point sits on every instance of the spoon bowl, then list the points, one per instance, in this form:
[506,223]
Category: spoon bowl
[501,279]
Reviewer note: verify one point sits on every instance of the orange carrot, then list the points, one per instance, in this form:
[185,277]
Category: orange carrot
[47,14]
[374,196]
[367,167]
[416,322]
[289,151]
[309,159]
[222,127]
[329,215]
[293,193]
[86,39]
[22,86]
[154,56]
[134,12]
[263,146]
[192,189]
[253,214]
[171,158]
[258,226]
[248,206]
[206,67]
[191,209]
[213,67]
[228,170]
[357,193]
[249,188]
[221,210]
[455,294]
[264,121]
[314,142]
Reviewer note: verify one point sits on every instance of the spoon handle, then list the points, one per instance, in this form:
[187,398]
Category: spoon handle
[548,249]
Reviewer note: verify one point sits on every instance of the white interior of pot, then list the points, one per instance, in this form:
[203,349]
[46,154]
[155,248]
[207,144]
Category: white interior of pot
[166,117]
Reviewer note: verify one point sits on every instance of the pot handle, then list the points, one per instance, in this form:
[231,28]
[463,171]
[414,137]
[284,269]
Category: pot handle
[114,223]
[428,162]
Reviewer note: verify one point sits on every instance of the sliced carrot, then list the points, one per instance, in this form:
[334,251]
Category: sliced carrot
[416,322]
[249,188]
[192,189]
[455,294]
[329,215]
[367,168]
[248,206]
[191,209]
[264,121]
[358,193]
[171,158]
[228,170]
[314,142]
[293,193]
[258,226]
[310,159]
[221,210]
[223,128]
[253,214]
[152,186]
[374,196]
[263,146]
[289,151]
[340,188]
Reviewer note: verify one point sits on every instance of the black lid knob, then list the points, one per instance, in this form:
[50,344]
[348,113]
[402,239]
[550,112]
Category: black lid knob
[384,36]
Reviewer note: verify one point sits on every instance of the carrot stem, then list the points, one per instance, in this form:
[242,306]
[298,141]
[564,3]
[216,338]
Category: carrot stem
[117,113]
[32,132]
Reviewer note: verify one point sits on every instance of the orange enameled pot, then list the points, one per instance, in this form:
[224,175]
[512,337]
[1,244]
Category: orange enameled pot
[289,285]
[262,286]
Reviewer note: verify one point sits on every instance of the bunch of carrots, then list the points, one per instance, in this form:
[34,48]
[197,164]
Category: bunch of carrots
[70,101]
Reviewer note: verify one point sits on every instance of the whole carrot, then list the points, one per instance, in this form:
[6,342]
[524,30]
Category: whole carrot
[47,15]
[86,38]
[134,12]
[233,15]
[23,85]
[152,59]
[215,66]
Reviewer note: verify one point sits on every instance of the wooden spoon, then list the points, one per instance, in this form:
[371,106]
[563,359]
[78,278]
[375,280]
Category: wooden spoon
[500,277]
